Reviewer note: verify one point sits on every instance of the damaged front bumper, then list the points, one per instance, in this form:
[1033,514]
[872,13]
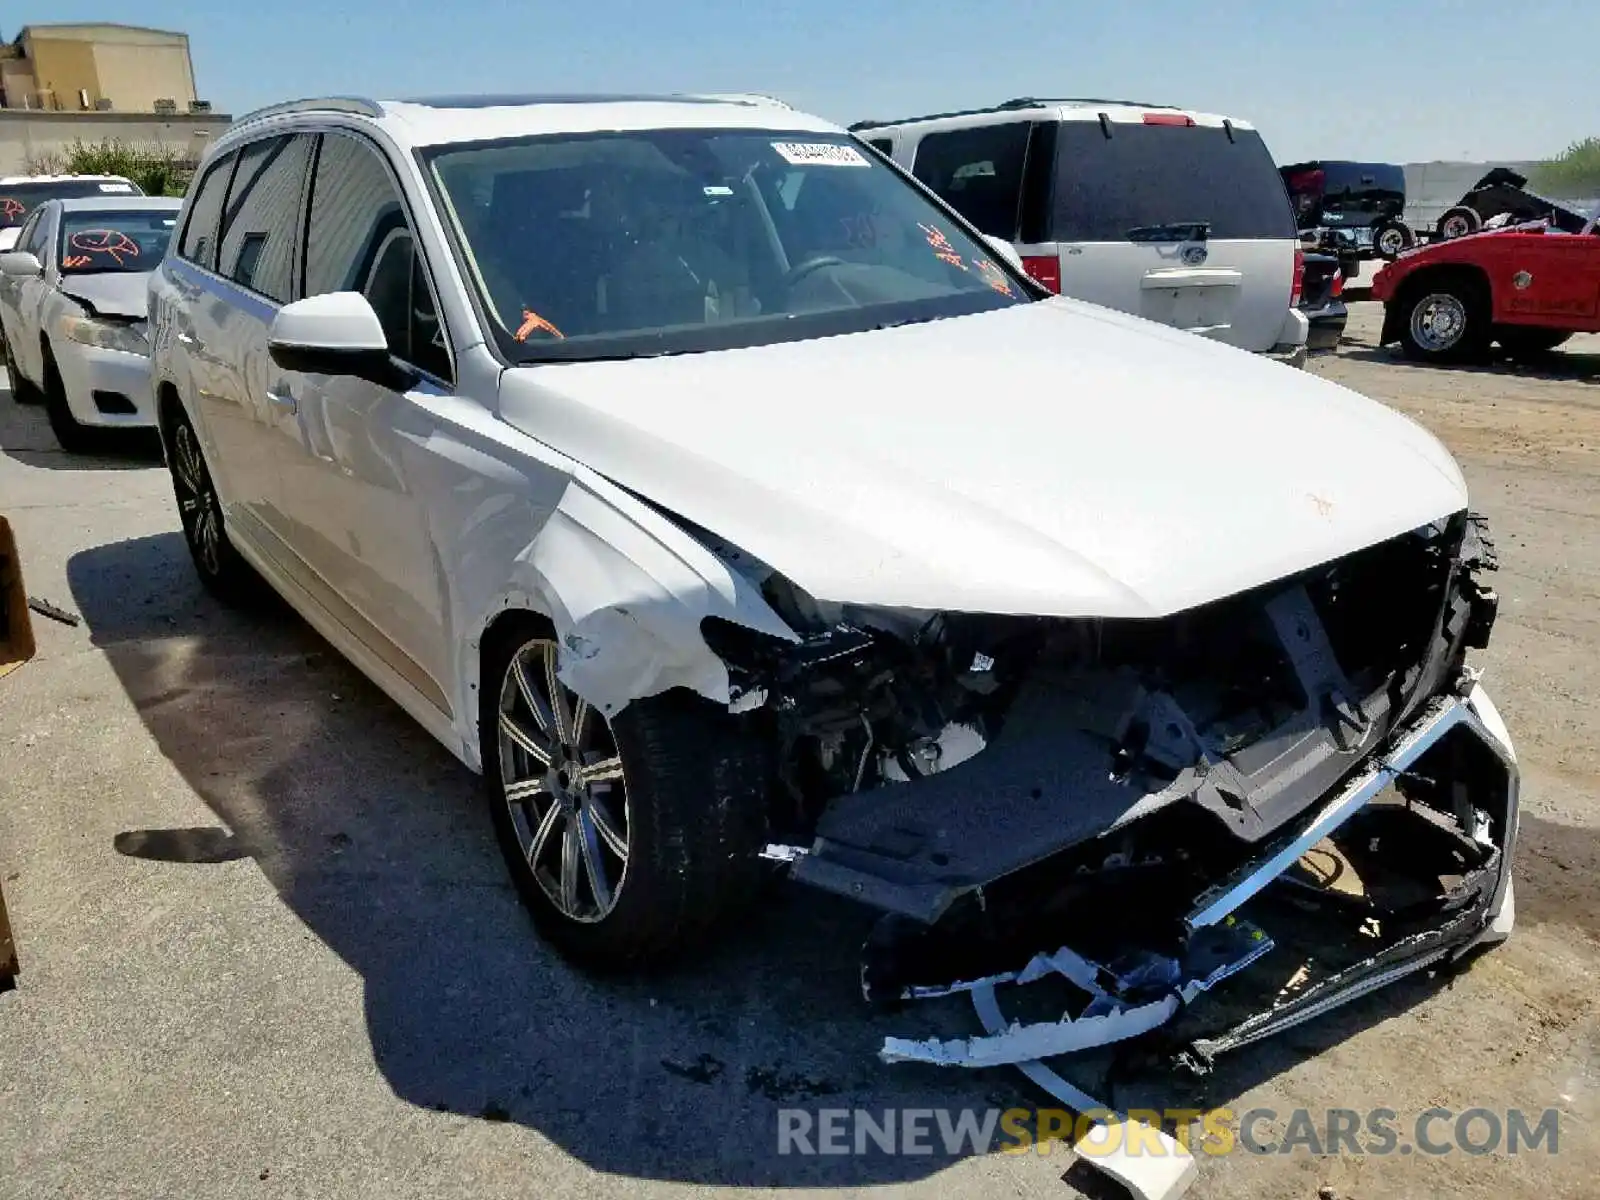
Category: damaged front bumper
[1215,943]
[1451,845]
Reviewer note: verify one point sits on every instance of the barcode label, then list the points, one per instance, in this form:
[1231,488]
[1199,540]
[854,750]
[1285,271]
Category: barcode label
[820,154]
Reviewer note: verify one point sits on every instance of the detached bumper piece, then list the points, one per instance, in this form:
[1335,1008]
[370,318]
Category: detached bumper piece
[1404,865]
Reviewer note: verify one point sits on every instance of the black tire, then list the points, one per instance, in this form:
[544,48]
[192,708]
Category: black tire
[1458,222]
[74,437]
[22,391]
[1390,239]
[222,571]
[1521,341]
[692,817]
[1445,320]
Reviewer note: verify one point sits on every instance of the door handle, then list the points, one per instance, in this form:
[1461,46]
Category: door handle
[284,400]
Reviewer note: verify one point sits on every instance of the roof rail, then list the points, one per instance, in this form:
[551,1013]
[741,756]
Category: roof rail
[1020,102]
[1034,101]
[344,104]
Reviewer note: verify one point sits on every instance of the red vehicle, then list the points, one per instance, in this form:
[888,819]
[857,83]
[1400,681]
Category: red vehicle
[1528,287]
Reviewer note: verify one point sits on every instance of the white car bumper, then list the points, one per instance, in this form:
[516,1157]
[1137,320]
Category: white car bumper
[105,387]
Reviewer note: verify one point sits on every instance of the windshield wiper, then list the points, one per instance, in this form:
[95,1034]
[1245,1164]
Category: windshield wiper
[1173,231]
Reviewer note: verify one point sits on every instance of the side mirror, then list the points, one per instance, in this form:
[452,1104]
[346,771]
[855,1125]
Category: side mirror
[22,264]
[335,334]
[1004,249]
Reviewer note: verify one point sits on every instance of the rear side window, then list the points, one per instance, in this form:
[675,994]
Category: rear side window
[1146,175]
[978,172]
[263,216]
[883,145]
[199,242]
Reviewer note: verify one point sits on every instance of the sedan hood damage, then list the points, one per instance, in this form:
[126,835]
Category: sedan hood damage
[121,294]
[1053,459]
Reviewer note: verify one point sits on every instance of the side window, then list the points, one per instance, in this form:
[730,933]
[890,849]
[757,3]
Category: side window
[199,241]
[883,145]
[358,240]
[262,216]
[978,172]
[31,236]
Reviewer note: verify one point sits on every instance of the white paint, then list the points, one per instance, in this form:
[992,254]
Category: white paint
[1053,459]
[337,321]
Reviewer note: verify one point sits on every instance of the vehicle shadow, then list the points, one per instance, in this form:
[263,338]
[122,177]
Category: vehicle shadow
[376,839]
[25,436]
[1557,366]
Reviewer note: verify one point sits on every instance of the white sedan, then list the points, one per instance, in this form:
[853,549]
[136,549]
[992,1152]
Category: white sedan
[72,303]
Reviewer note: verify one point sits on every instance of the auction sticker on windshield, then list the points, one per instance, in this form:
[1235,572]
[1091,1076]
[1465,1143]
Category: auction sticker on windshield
[820,154]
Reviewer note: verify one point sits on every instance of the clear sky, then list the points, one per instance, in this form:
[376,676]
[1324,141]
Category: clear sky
[1396,80]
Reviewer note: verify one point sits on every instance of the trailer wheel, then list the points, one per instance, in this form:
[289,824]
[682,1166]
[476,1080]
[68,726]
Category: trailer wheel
[1444,320]
[1392,238]
[1458,222]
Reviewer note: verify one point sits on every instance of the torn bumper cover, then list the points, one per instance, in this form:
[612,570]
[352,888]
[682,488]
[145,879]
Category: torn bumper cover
[1146,988]
[1459,757]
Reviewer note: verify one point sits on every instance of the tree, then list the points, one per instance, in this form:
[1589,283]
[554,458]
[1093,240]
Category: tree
[159,170]
[1575,172]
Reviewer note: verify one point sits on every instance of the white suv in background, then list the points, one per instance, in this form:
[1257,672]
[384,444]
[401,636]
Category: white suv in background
[1177,216]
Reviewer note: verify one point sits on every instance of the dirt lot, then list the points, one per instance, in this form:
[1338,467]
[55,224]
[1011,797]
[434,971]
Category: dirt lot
[269,950]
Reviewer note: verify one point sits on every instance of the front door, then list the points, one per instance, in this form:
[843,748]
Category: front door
[349,514]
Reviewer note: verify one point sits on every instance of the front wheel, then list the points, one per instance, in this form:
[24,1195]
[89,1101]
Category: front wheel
[628,840]
[74,437]
[1446,322]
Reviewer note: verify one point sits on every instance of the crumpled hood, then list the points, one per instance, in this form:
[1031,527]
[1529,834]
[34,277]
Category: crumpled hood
[1055,459]
[112,293]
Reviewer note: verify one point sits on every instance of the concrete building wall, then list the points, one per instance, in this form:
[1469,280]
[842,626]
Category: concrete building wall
[133,78]
[28,137]
[75,67]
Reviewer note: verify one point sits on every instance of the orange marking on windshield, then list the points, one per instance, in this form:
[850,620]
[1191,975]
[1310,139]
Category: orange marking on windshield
[11,208]
[73,261]
[942,249]
[994,276]
[105,241]
[532,322]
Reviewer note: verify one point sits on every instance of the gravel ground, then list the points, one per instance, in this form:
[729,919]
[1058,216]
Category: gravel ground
[269,951]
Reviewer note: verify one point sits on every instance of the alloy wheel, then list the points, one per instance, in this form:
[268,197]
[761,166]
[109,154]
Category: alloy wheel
[197,500]
[1438,322]
[564,785]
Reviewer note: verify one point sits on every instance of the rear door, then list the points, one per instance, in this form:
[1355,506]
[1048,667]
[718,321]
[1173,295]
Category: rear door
[1182,222]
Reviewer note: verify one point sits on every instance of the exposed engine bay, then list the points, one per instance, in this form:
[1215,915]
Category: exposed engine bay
[1024,737]
[1146,810]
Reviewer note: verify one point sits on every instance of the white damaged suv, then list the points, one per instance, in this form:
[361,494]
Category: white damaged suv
[719,494]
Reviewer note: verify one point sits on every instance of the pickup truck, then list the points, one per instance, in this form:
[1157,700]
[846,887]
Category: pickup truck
[1528,287]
